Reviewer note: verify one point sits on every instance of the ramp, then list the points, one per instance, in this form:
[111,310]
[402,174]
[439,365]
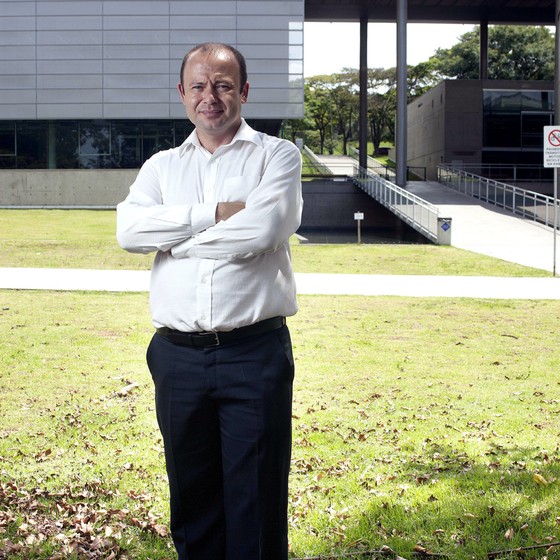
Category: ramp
[485,229]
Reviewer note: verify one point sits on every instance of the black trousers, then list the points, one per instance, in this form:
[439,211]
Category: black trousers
[225,416]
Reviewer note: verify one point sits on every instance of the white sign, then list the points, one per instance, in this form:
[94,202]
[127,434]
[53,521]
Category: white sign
[551,143]
[359,216]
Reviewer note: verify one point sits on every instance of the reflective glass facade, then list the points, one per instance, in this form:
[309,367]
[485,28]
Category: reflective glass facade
[94,144]
[515,119]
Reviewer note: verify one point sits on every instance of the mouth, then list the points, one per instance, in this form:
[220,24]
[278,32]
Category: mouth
[211,113]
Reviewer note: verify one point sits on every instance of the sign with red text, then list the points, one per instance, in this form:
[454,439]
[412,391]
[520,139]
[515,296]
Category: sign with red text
[551,144]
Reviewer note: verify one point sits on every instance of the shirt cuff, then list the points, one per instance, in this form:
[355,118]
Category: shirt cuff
[203,216]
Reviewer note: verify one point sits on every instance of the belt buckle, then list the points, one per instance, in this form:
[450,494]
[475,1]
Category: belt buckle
[215,342]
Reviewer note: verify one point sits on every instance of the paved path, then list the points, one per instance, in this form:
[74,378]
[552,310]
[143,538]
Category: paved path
[488,230]
[344,284]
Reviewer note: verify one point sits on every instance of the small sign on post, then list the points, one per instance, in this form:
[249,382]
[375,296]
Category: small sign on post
[359,216]
[551,143]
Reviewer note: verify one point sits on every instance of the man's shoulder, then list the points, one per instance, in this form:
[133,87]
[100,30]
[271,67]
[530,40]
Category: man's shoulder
[165,155]
[273,142]
[263,139]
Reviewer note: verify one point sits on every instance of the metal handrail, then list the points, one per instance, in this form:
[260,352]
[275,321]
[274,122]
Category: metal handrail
[316,162]
[521,202]
[510,173]
[415,211]
[412,173]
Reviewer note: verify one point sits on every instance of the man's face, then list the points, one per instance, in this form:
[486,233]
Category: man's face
[212,96]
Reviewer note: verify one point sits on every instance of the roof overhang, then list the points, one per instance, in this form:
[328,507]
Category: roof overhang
[535,12]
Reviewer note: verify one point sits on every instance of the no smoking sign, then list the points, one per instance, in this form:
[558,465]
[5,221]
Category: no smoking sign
[551,144]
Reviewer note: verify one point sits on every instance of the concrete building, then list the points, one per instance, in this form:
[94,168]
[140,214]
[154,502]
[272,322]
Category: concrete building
[479,122]
[91,84]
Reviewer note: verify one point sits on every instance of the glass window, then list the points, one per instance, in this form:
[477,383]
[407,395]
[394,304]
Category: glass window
[532,124]
[73,144]
[32,145]
[7,139]
[66,151]
[515,118]
[157,136]
[502,130]
[95,139]
[126,151]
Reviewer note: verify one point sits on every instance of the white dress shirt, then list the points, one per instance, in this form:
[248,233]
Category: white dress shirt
[208,276]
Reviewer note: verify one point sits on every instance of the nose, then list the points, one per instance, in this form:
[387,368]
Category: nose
[210,94]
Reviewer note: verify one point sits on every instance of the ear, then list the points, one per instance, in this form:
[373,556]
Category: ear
[181,90]
[245,92]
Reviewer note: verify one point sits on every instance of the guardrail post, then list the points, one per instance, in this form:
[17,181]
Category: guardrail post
[443,231]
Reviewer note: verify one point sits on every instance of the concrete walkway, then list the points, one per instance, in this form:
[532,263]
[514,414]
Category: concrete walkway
[488,230]
[331,284]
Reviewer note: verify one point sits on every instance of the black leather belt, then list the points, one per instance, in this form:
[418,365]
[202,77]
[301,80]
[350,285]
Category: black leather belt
[210,338]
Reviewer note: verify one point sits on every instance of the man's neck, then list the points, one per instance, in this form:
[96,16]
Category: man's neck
[212,143]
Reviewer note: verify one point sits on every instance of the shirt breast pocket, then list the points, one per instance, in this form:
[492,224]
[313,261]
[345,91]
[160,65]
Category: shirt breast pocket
[238,188]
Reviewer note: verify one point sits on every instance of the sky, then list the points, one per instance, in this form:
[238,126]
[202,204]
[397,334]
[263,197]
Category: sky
[329,47]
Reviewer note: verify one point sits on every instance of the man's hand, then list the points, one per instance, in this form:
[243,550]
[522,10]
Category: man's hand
[225,210]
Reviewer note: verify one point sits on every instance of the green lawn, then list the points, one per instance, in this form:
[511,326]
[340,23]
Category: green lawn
[86,239]
[419,423]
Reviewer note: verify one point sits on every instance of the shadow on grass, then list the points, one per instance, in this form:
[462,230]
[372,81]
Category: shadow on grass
[443,504]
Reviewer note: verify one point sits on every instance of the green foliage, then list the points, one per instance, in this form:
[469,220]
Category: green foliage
[514,53]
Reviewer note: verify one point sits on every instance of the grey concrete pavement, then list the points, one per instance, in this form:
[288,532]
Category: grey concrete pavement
[343,284]
[488,230]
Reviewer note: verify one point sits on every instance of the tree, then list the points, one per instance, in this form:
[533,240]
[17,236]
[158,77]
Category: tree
[296,128]
[318,106]
[379,119]
[381,105]
[346,104]
[514,53]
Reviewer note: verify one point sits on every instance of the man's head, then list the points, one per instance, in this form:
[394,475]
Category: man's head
[211,48]
[213,88]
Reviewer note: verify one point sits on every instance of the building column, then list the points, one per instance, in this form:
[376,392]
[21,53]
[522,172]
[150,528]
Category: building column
[483,63]
[556,64]
[401,125]
[363,92]
[51,145]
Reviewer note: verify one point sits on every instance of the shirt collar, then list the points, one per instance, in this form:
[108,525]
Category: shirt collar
[244,134]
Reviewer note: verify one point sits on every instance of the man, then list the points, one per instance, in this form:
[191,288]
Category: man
[219,211]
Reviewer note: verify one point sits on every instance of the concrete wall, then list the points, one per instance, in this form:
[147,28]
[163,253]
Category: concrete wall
[65,188]
[120,59]
[333,204]
[463,121]
[426,131]
[445,125]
